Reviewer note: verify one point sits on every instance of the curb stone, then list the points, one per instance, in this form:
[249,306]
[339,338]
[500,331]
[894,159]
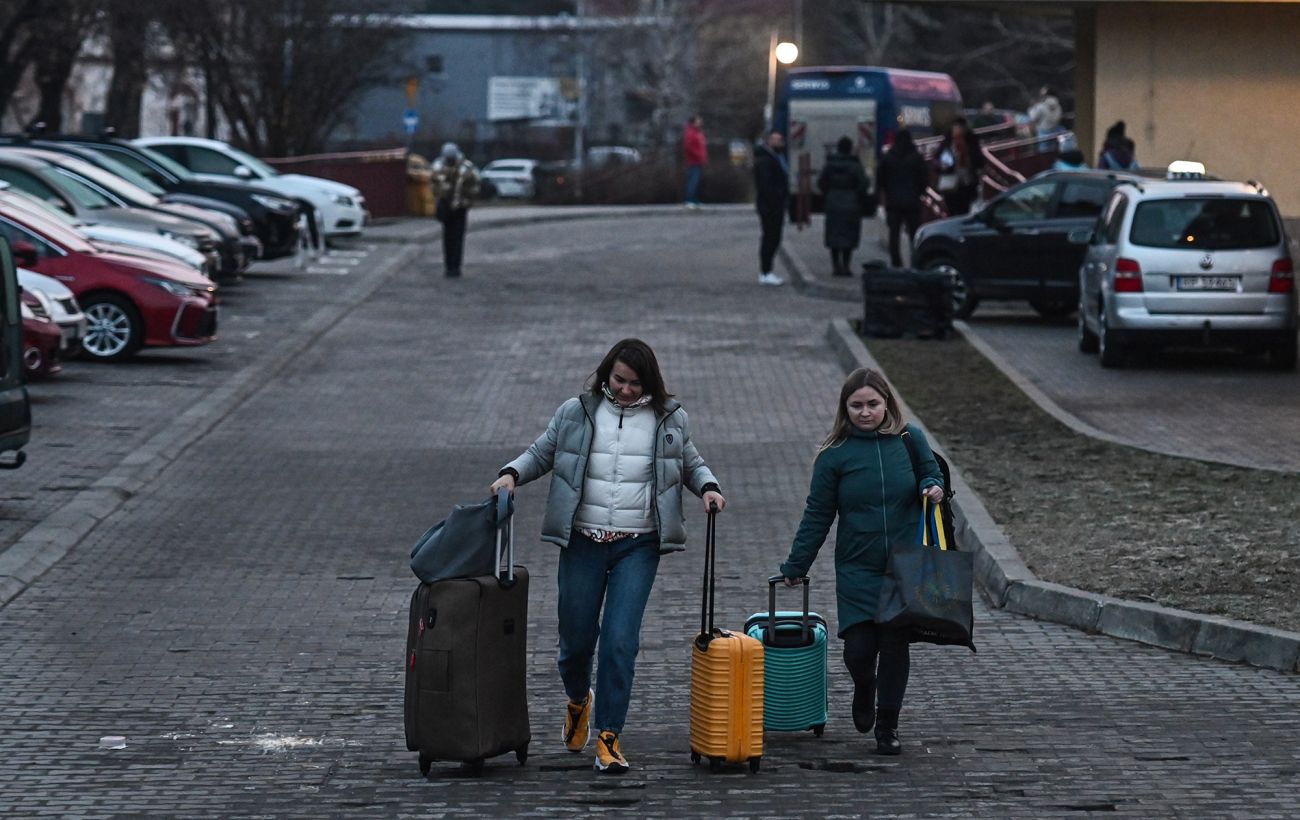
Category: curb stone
[1008,582]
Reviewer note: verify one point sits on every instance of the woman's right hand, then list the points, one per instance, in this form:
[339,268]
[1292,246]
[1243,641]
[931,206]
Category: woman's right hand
[505,482]
[791,582]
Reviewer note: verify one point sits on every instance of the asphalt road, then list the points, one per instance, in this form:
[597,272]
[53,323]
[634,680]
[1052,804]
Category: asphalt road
[240,620]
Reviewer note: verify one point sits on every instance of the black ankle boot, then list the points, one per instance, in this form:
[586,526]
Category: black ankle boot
[864,708]
[887,742]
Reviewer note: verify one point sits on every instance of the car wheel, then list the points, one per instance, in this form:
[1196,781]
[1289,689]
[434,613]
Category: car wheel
[114,329]
[1051,310]
[964,300]
[1088,341]
[1107,341]
[1283,356]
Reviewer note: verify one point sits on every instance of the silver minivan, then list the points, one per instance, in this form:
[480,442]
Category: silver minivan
[1187,262]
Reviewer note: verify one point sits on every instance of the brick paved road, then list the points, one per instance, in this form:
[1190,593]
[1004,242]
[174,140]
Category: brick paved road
[241,623]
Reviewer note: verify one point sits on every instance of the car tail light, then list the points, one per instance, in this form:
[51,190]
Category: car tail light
[1128,276]
[1282,279]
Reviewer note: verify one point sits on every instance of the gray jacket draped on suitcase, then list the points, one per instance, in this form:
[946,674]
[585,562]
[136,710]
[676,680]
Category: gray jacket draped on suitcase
[564,448]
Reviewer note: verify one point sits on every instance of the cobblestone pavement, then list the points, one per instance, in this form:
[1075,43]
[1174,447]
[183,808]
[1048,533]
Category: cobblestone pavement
[241,622]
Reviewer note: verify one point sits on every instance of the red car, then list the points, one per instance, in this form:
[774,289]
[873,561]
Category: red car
[130,302]
[41,340]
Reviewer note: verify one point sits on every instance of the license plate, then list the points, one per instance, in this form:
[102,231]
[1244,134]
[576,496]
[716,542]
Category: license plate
[1208,282]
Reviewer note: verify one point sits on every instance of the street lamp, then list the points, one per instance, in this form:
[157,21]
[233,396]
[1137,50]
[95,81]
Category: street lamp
[784,53]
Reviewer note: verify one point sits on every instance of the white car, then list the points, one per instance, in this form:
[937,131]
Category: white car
[60,306]
[511,177]
[341,208]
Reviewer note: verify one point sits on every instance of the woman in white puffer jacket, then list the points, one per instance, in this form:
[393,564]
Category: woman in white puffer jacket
[621,453]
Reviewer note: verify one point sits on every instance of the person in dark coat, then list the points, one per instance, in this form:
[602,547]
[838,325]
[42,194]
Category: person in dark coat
[772,190]
[863,475]
[845,190]
[901,181]
[1117,152]
[961,161]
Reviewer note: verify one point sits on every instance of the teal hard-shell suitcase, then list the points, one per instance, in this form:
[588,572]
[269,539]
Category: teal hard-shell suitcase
[794,660]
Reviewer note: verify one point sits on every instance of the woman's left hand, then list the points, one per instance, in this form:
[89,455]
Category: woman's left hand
[711,498]
[935,494]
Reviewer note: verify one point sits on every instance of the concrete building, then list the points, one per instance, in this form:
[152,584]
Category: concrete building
[1217,82]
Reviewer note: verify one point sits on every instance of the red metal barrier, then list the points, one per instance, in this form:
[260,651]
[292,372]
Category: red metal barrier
[379,175]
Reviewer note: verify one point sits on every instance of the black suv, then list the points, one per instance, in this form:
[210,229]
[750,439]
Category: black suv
[1017,246]
[275,217]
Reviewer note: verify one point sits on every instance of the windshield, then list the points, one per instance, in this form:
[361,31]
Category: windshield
[133,194]
[24,201]
[255,165]
[1218,224]
[84,195]
[129,174]
[173,167]
[47,229]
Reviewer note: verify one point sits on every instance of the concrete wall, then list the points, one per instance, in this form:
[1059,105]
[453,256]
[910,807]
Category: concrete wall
[1214,82]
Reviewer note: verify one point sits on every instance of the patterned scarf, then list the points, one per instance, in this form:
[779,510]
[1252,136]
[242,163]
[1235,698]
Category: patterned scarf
[641,402]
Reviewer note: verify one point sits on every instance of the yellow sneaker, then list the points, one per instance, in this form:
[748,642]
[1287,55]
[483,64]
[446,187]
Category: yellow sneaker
[609,758]
[577,723]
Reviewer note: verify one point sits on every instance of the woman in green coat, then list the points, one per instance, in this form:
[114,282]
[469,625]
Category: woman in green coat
[863,475]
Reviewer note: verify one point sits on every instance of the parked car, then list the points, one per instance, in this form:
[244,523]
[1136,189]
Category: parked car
[60,304]
[15,404]
[1187,262]
[1017,246]
[41,341]
[274,217]
[129,302]
[107,237]
[123,194]
[341,208]
[89,203]
[511,178]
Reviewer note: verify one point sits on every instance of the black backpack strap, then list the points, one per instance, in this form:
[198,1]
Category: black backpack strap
[913,455]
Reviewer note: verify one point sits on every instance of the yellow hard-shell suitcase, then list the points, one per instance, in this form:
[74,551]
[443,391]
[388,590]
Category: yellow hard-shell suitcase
[726,685]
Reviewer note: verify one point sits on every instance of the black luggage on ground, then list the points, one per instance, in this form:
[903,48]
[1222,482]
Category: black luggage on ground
[466,664]
[902,301]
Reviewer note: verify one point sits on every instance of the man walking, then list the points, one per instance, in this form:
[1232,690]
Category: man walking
[455,184]
[772,189]
[902,179]
[696,154]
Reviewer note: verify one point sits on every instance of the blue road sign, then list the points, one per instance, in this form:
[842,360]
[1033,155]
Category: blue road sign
[411,120]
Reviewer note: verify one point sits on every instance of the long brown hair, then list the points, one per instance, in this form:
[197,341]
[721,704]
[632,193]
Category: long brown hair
[893,422]
[637,355]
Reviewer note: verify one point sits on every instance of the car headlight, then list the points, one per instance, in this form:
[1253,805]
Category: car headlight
[185,239]
[274,203]
[174,288]
[40,296]
[340,199]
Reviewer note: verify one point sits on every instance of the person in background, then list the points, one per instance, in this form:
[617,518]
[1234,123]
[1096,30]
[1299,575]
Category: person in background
[901,182]
[846,192]
[695,153]
[863,475]
[961,161]
[1045,117]
[455,184]
[621,452]
[1117,151]
[1069,157]
[772,192]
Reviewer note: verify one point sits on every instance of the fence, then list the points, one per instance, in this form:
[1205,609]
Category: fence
[379,175]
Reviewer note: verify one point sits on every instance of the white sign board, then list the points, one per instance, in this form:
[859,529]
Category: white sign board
[526,98]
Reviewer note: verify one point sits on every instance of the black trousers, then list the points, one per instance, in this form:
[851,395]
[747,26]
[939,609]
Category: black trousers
[898,219]
[453,239]
[772,223]
[841,258]
[880,657]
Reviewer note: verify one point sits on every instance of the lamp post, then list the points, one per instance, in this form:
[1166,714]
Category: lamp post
[784,53]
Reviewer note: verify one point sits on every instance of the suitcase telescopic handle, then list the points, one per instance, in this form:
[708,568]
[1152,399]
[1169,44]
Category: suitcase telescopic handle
[706,605]
[505,532]
[771,607]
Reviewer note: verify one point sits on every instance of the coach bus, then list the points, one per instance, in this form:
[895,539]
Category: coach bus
[817,106]
[15,409]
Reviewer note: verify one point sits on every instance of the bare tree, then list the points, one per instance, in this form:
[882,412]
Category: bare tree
[57,39]
[129,24]
[284,73]
[16,44]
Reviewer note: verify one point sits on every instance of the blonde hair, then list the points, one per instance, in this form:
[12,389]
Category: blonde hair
[893,422]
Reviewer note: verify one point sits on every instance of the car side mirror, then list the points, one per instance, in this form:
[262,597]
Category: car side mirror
[242,172]
[25,253]
[1080,236]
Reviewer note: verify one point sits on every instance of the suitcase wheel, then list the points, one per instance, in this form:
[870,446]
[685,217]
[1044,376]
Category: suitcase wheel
[818,731]
[521,755]
[753,764]
[425,764]
[695,758]
[715,764]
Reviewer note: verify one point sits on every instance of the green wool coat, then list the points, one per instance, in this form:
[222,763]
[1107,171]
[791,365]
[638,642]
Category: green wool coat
[868,482]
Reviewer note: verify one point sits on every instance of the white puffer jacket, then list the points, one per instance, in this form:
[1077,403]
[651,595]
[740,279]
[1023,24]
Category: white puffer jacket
[617,492]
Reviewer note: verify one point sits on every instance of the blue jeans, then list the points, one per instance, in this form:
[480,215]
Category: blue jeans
[693,173]
[618,575]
